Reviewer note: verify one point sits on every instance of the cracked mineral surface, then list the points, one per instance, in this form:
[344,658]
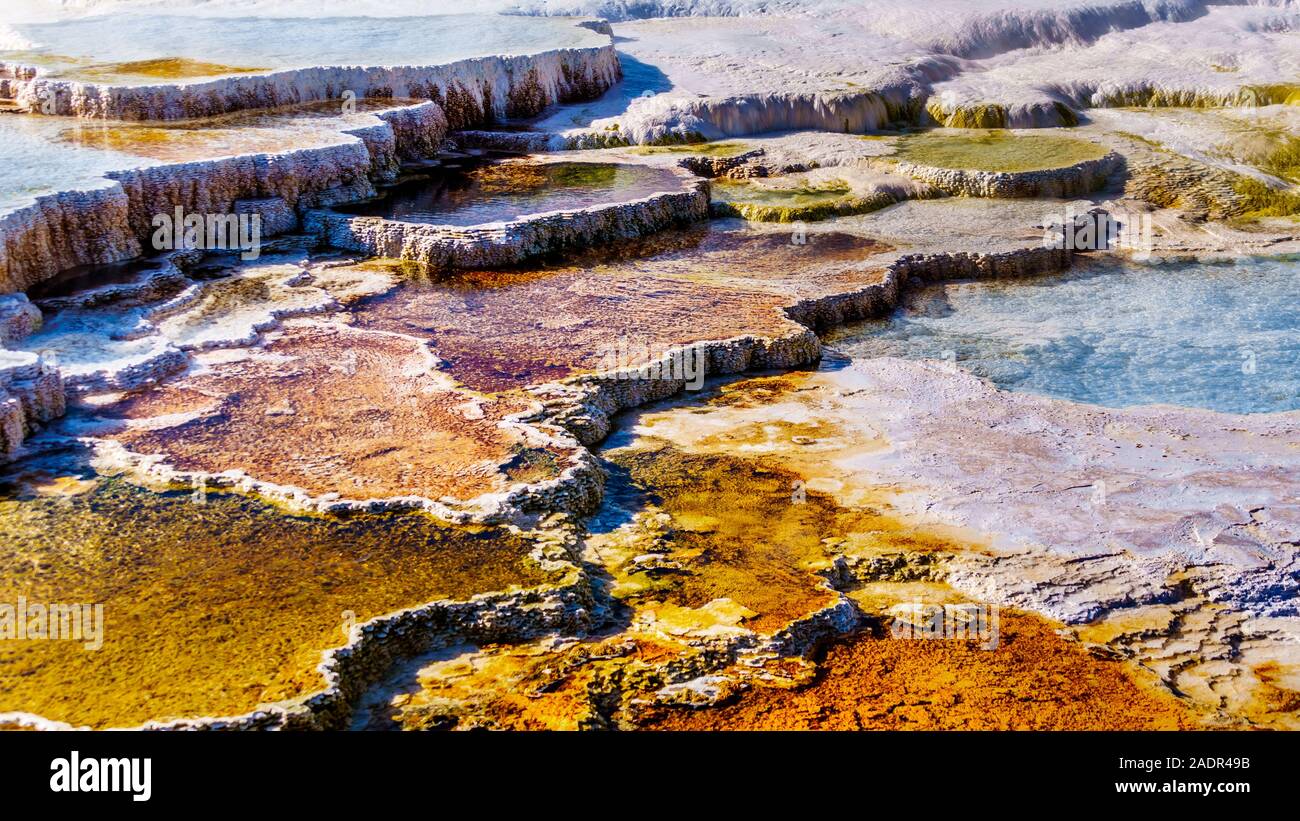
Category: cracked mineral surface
[715,364]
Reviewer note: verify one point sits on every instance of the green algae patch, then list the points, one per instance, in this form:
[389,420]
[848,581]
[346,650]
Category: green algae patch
[1273,94]
[1271,150]
[1276,152]
[997,151]
[212,604]
[987,115]
[165,68]
[814,201]
[1259,200]
[674,138]
[718,149]
[1247,96]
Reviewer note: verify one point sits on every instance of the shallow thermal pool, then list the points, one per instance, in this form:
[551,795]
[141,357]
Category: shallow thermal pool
[213,603]
[1220,336]
[764,192]
[146,49]
[43,155]
[499,192]
[33,162]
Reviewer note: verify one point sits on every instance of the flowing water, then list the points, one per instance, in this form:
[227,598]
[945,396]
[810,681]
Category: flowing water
[1220,336]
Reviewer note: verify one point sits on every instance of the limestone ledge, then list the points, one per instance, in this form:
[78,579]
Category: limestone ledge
[64,230]
[710,670]
[519,142]
[31,394]
[174,291]
[844,207]
[169,279]
[585,405]
[503,244]
[471,91]
[31,391]
[576,490]
[18,318]
[114,223]
[669,120]
[1070,181]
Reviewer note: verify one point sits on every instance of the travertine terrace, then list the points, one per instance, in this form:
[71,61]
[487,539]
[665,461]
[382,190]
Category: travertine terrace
[613,365]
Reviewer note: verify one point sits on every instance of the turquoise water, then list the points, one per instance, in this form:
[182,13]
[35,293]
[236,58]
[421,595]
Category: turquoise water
[1219,336]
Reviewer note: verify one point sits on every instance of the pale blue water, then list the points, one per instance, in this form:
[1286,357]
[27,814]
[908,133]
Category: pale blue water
[288,42]
[1219,336]
[34,162]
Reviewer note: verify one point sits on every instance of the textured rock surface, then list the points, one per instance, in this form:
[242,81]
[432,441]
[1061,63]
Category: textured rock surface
[1144,559]
[1170,524]
[1074,181]
[1035,680]
[503,244]
[115,222]
[31,394]
[470,90]
[260,422]
[1224,57]
[18,318]
[740,68]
